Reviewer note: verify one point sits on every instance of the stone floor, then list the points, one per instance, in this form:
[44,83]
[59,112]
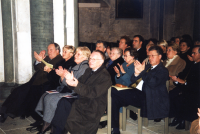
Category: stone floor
[18,126]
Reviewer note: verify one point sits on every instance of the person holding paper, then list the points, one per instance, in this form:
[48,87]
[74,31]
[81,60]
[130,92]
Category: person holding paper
[151,95]
[48,102]
[13,105]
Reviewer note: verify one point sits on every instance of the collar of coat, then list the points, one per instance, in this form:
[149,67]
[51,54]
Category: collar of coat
[98,70]
[174,62]
[77,67]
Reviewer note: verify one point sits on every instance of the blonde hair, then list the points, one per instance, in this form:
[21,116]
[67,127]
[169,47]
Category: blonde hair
[70,48]
[163,43]
[85,50]
[175,47]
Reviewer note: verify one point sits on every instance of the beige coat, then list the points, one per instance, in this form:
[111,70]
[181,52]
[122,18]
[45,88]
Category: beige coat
[174,69]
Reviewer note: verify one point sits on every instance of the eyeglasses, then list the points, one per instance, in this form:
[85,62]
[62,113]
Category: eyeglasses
[194,53]
[94,59]
[152,56]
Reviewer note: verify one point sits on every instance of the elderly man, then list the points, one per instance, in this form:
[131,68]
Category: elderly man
[87,110]
[137,44]
[114,60]
[148,91]
[101,46]
[16,101]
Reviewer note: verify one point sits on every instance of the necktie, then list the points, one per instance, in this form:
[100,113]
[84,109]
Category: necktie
[134,85]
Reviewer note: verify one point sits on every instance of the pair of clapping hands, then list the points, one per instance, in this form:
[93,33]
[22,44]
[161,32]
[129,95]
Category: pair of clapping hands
[138,68]
[176,79]
[39,57]
[70,79]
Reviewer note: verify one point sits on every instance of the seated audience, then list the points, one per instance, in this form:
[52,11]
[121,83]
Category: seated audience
[152,41]
[48,102]
[149,90]
[191,90]
[14,103]
[124,43]
[137,44]
[115,58]
[87,110]
[102,46]
[127,68]
[163,44]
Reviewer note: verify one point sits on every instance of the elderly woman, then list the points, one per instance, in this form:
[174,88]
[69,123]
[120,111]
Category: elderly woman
[163,44]
[175,65]
[48,102]
[127,68]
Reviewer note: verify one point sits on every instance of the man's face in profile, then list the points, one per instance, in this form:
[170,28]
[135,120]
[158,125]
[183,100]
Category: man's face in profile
[137,43]
[52,52]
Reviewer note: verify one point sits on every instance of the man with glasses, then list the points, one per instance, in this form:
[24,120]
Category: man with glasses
[191,89]
[148,91]
[92,89]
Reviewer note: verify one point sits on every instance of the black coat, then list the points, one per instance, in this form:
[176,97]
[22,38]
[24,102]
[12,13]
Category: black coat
[111,70]
[154,87]
[142,54]
[86,111]
[192,93]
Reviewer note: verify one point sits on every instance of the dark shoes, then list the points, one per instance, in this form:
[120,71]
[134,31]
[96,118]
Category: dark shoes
[175,122]
[157,120]
[181,125]
[37,123]
[102,124]
[112,132]
[43,132]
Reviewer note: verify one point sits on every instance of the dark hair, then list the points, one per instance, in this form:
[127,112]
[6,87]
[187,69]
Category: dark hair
[155,41]
[186,41]
[56,46]
[100,41]
[126,38]
[133,52]
[157,48]
[197,46]
[101,53]
[140,38]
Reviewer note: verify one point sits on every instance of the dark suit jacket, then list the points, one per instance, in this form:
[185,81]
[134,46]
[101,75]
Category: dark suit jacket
[87,110]
[142,54]
[111,70]
[40,76]
[154,87]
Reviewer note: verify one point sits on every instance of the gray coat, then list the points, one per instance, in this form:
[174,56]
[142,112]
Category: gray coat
[48,102]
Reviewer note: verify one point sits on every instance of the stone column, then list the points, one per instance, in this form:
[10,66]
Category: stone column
[2,79]
[76,39]
[8,41]
[58,19]
[21,40]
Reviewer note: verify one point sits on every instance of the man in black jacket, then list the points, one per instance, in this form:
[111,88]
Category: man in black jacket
[138,44]
[149,90]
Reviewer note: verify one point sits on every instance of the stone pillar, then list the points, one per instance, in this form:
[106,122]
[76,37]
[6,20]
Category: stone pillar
[2,79]
[21,40]
[72,22]
[58,19]
[8,41]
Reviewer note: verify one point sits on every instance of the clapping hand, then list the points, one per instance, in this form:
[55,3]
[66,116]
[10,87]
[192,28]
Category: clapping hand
[47,69]
[39,57]
[121,68]
[190,57]
[138,67]
[117,71]
[71,80]
[174,78]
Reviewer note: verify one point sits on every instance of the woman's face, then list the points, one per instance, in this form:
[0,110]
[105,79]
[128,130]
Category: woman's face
[127,57]
[79,57]
[66,54]
[170,53]
[183,47]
